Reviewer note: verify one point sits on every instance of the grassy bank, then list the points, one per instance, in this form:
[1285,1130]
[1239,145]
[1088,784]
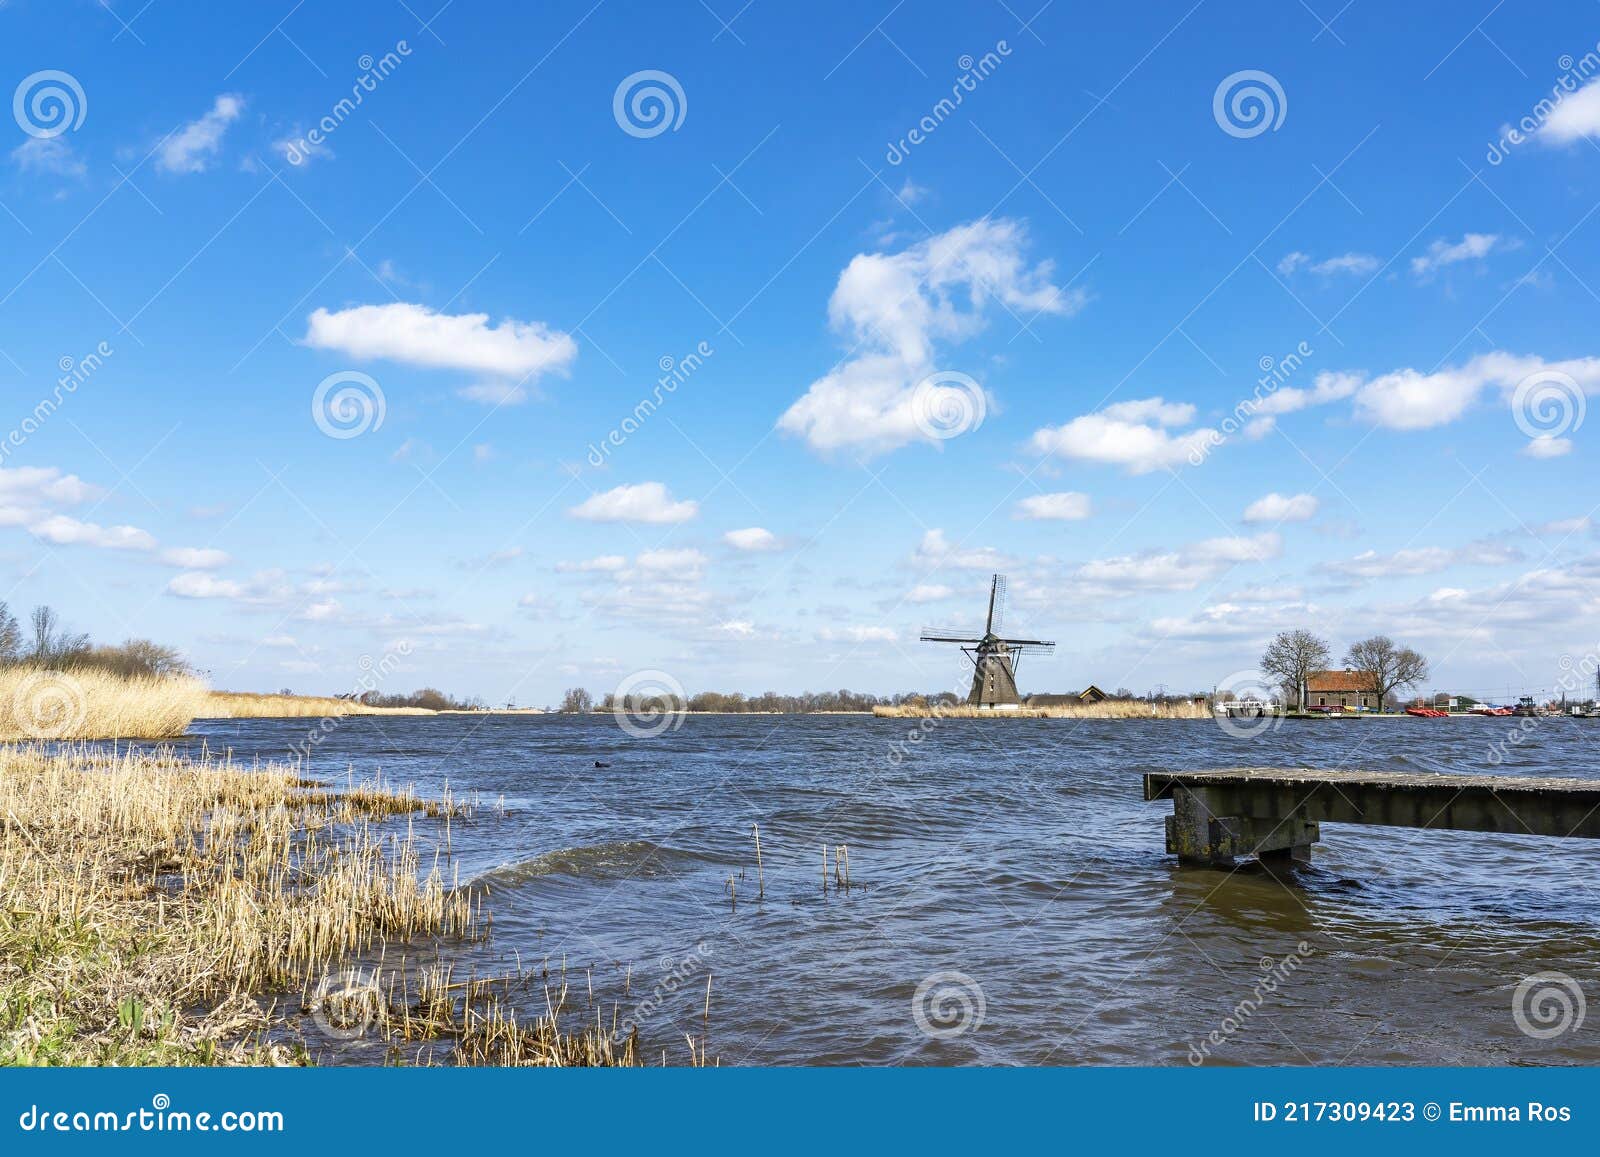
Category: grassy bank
[1111,709]
[249,705]
[37,703]
[150,907]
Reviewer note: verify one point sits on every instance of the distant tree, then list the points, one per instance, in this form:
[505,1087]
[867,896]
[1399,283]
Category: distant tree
[136,657]
[53,645]
[10,636]
[577,701]
[1389,667]
[1291,657]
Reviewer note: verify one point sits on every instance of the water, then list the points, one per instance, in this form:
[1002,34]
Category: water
[1018,854]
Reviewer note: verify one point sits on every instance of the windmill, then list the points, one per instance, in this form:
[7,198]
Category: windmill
[994,659]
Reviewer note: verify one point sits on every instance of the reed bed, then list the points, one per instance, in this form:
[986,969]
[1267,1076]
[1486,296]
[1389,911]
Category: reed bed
[149,905]
[250,705]
[1110,709]
[37,703]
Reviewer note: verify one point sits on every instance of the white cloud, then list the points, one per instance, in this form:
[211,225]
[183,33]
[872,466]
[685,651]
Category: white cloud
[738,628]
[1355,264]
[1325,388]
[935,552]
[1471,247]
[50,155]
[495,558]
[1574,118]
[416,335]
[1066,506]
[858,634]
[929,593]
[35,485]
[1275,507]
[64,531]
[190,149]
[1413,561]
[643,502]
[198,585]
[605,563]
[195,557]
[495,393]
[684,564]
[1182,569]
[1136,435]
[752,538]
[1409,400]
[897,308]
[1547,446]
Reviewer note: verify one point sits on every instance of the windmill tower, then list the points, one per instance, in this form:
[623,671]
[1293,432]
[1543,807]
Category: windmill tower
[994,659]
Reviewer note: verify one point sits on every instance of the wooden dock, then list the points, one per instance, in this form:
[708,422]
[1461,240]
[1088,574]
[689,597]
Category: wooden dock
[1273,813]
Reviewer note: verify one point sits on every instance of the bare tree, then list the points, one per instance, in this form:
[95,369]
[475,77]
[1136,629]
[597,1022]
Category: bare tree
[577,701]
[53,645]
[1391,668]
[1291,657]
[1388,667]
[10,636]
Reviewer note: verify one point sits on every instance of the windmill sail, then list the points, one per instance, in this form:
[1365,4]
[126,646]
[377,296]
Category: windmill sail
[994,658]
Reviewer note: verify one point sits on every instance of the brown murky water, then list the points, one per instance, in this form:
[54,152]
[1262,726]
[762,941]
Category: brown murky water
[1012,901]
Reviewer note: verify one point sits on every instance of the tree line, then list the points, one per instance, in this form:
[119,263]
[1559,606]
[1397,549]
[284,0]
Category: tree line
[44,641]
[1294,656]
[578,700]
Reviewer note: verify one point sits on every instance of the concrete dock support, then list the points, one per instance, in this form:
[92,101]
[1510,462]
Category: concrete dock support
[1274,813]
[1201,831]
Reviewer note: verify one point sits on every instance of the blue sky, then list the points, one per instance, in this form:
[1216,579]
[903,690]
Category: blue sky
[902,361]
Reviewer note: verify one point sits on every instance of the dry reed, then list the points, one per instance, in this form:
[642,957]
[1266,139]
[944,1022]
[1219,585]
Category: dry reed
[1110,709]
[147,903]
[41,704]
[250,705]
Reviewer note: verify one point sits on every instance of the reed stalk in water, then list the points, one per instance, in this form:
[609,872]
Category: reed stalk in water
[149,903]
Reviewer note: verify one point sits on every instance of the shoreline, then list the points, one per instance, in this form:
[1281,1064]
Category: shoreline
[165,911]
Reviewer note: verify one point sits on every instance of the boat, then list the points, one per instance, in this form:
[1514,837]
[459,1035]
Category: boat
[1427,713]
[1525,706]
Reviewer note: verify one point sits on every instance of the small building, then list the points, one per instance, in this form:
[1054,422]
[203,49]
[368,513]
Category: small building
[1349,690]
[1090,694]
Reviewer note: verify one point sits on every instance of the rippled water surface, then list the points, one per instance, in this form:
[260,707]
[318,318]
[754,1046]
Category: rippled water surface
[1018,853]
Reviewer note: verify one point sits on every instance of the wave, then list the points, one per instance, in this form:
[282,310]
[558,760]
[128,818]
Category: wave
[617,860]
